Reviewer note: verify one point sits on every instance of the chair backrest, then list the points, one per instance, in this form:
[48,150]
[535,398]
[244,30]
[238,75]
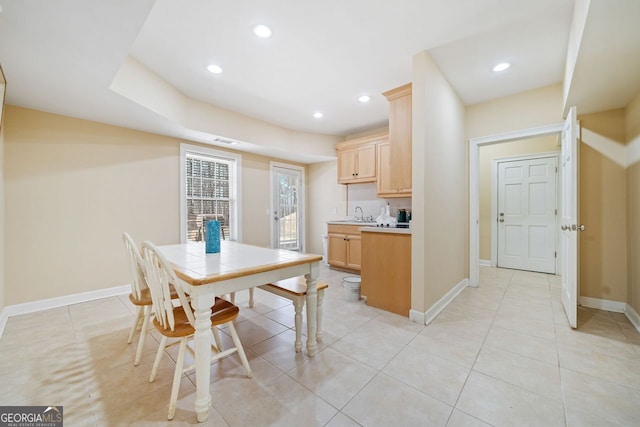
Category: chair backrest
[136,266]
[160,276]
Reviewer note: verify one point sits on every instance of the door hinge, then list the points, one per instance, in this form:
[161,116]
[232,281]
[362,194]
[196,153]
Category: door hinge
[556,169]
[555,254]
[556,212]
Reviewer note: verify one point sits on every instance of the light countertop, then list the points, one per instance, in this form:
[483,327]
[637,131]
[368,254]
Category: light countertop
[392,230]
[360,223]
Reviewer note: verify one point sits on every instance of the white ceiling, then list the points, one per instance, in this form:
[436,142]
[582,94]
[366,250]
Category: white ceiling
[62,56]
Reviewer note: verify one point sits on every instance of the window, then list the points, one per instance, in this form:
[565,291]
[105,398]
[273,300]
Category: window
[210,182]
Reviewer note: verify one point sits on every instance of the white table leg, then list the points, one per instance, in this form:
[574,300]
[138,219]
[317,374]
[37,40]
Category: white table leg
[202,338]
[312,308]
[298,302]
[319,316]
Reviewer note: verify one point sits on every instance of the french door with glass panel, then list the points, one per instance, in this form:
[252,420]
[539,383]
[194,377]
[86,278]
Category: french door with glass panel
[287,201]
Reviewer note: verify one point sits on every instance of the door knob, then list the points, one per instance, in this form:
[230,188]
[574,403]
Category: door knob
[581,227]
[564,227]
[501,220]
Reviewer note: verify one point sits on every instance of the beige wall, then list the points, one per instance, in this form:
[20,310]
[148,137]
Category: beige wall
[73,186]
[326,200]
[487,154]
[603,209]
[440,246]
[632,121]
[526,110]
[2,204]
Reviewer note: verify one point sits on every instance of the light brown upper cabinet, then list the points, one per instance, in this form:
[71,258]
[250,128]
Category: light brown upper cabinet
[384,187]
[395,159]
[358,159]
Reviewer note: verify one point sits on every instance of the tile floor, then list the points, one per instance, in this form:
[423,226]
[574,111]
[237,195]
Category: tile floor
[501,354]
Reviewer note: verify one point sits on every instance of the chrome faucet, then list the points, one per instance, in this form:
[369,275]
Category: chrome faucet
[361,214]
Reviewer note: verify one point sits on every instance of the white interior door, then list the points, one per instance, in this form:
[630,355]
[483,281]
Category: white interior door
[287,194]
[527,214]
[569,217]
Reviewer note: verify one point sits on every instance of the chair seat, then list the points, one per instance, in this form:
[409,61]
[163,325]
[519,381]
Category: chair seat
[145,298]
[173,322]
[222,312]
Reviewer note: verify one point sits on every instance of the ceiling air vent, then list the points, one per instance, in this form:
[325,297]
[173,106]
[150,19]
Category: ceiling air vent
[225,141]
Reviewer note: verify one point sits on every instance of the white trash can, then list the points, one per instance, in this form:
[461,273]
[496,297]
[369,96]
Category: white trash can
[325,257]
[351,285]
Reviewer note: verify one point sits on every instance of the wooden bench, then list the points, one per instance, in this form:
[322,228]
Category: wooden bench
[295,289]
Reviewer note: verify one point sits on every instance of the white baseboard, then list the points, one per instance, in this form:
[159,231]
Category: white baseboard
[602,304]
[633,317]
[436,308]
[484,263]
[3,321]
[417,316]
[45,304]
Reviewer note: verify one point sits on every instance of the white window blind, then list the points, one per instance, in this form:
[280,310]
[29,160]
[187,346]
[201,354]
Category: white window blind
[209,193]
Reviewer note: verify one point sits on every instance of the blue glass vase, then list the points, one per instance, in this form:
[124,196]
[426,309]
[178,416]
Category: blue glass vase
[212,236]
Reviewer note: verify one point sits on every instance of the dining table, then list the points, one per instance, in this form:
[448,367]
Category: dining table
[236,267]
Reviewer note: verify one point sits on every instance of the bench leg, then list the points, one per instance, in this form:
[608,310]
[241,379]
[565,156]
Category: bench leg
[298,304]
[319,316]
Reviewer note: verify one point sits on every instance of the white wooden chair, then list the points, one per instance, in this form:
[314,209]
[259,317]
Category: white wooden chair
[178,322]
[295,289]
[139,296]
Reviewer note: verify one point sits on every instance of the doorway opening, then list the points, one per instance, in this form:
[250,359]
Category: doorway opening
[569,186]
[516,137]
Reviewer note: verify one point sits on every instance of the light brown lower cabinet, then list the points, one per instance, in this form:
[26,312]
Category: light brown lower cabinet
[386,271]
[344,249]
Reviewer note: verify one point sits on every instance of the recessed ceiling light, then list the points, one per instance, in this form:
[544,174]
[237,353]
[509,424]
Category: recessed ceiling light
[262,31]
[501,66]
[215,69]
[364,98]
[318,115]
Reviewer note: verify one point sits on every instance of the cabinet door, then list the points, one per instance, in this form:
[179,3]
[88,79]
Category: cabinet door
[400,138]
[366,163]
[354,255]
[384,170]
[337,250]
[347,165]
